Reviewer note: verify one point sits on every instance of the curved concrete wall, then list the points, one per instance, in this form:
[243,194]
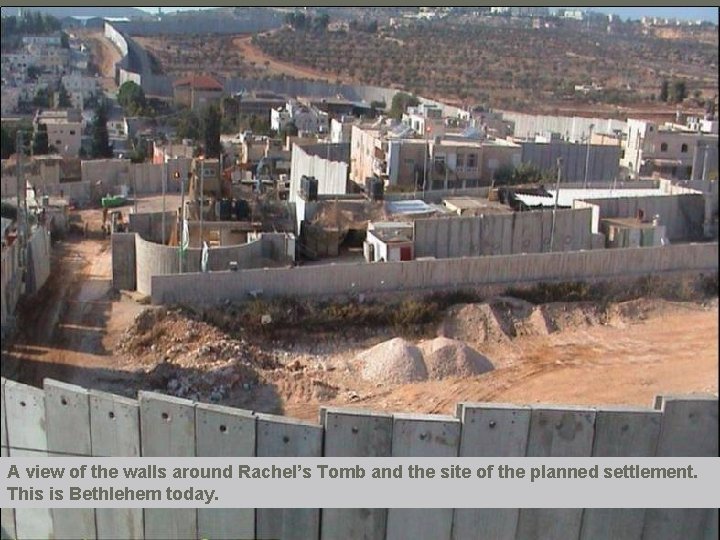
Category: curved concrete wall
[153,259]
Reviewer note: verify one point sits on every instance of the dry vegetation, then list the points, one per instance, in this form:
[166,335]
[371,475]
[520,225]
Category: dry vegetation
[504,62]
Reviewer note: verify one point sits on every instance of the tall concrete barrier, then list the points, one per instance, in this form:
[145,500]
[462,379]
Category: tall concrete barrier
[63,419]
[421,276]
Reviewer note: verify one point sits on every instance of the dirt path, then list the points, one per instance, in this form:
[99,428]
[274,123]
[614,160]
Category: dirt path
[64,329]
[251,53]
[104,55]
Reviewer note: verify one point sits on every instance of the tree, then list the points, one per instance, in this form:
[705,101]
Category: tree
[321,22]
[64,98]
[211,131]
[678,91]
[40,141]
[131,98]
[400,102]
[188,126]
[7,142]
[42,99]
[100,146]
[289,130]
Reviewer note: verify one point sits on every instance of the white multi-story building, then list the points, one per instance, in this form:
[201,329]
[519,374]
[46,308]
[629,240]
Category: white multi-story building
[47,41]
[308,120]
[671,150]
[64,130]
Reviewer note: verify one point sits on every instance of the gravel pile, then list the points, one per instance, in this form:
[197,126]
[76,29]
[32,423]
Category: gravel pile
[395,361]
[446,357]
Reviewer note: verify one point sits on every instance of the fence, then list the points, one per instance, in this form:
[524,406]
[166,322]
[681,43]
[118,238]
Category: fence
[63,419]
[429,275]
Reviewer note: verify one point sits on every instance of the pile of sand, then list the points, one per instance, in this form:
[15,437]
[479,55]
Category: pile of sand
[446,357]
[394,361]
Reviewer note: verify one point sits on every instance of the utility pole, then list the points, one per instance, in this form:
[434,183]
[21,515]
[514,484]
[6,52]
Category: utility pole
[21,197]
[587,156]
[557,196]
[202,196]
[164,189]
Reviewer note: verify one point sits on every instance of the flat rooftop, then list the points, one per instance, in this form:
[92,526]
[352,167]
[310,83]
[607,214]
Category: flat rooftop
[566,197]
[475,205]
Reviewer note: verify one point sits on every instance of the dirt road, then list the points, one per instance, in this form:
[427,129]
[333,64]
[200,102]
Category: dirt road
[69,330]
[251,53]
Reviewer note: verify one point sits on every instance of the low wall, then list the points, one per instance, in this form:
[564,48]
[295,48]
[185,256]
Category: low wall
[63,419]
[11,286]
[683,215]
[502,234]
[149,225]
[153,259]
[124,275]
[38,260]
[330,280]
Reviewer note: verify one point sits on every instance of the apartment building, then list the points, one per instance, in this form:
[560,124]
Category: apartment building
[197,91]
[679,151]
[64,130]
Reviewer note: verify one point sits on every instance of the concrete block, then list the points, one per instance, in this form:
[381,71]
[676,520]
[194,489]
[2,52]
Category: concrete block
[115,432]
[561,432]
[225,432]
[167,425]
[278,436]
[351,433]
[7,515]
[621,432]
[67,413]
[490,430]
[123,260]
[423,436]
[689,429]
[25,415]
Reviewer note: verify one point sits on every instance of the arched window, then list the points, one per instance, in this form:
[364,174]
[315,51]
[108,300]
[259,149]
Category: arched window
[663,147]
[684,148]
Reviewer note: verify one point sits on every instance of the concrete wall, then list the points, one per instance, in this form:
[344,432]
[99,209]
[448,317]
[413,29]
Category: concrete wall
[63,418]
[332,174]
[571,127]
[124,276]
[108,175]
[502,234]
[603,162]
[149,225]
[38,260]
[329,280]
[11,286]
[153,259]
[683,215]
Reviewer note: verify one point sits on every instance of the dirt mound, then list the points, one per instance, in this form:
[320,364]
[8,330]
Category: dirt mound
[518,318]
[393,361]
[474,323]
[561,316]
[446,357]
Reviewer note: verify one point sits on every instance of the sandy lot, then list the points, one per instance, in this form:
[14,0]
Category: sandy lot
[79,330]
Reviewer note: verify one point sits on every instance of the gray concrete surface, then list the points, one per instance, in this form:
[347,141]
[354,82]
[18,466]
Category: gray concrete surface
[222,431]
[515,270]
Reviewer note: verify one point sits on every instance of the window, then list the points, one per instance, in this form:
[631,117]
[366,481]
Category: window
[663,147]
[472,161]
[460,162]
[72,132]
[684,148]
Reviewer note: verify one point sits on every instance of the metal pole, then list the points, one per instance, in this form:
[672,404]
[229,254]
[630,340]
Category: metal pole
[21,197]
[202,197]
[182,222]
[587,156]
[557,196]
[705,161]
[425,165]
[164,189]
